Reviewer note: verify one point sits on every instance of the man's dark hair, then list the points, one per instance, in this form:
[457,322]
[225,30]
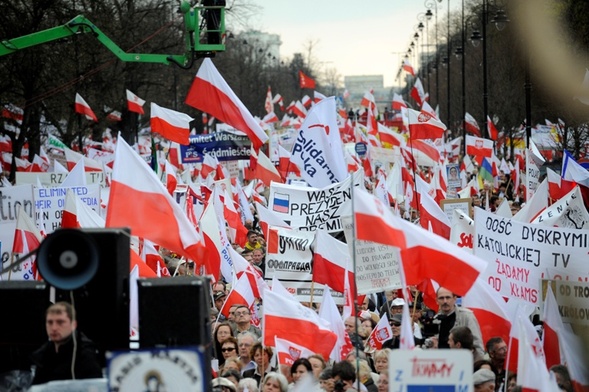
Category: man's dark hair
[492,342]
[62,307]
[563,371]
[231,373]
[250,232]
[463,335]
[345,370]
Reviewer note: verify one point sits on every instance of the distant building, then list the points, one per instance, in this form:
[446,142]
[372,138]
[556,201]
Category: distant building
[263,44]
[358,85]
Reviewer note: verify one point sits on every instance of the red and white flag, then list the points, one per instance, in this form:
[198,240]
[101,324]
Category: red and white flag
[431,215]
[241,293]
[317,96]
[214,242]
[268,218]
[306,101]
[380,333]
[171,180]
[478,146]
[72,158]
[490,310]
[211,93]
[418,93]
[82,107]
[76,213]
[140,201]
[407,67]
[134,103]
[265,170]
[534,206]
[553,327]
[288,352]
[398,102]
[153,259]
[299,109]
[287,318]
[424,126]
[424,152]
[270,118]
[407,341]
[331,261]
[493,133]
[420,249]
[471,125]
[170,124]
[558,187]
[269,104]
[329,312]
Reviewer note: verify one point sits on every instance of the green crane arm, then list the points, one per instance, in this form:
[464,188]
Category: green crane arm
[202,39]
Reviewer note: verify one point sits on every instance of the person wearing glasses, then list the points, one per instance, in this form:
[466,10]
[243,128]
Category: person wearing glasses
[229,348]
[245,342]
[451,316]
[243,322]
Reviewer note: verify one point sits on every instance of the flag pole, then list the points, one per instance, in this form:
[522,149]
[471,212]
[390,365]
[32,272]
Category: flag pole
[355,293]
[414,175]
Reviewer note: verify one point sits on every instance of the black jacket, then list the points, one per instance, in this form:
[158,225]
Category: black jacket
[51,365]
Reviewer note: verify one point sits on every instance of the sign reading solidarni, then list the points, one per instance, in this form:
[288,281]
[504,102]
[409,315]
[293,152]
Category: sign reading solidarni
[377,266]
[520,254]
[306,208]
[443,370]
[226,146]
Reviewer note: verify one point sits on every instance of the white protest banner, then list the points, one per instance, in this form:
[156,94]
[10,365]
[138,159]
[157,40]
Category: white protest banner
[377,266]
[569,212]
[520,254]
[462,231]
[443,370]
[306,208]
[289,259]
[11,199]
[532,175]
[50,202]
[54,179]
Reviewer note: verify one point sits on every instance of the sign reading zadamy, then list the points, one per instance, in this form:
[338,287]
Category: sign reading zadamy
[225,146]
[305,208]
[519,254]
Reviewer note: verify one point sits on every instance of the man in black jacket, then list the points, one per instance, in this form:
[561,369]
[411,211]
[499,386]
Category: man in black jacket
[55,360]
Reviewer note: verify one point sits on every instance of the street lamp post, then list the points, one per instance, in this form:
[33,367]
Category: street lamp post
[448,118]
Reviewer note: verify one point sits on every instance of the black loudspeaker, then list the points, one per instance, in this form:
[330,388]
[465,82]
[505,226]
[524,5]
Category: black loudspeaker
[90,269]
[174,312]
[22,329]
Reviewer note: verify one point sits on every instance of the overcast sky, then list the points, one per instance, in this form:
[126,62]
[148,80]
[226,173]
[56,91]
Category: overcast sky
[356,37]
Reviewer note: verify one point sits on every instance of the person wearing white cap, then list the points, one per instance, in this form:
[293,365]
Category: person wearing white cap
[484,380]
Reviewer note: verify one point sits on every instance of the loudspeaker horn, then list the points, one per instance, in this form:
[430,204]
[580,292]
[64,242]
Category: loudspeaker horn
[68,259]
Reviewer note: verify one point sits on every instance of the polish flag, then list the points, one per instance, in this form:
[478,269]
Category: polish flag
[426,108]
[489,309]
[407,341]
[242,267]
[534,206]
[493,133]
[425,153]
[351,162]
[306,101]
[153,259]
[279,100]
[398,102]
[558,187]
[418,93]
[12,112]
[268,218]
[270,118]
[317,96]
[134,103]
[330,313]
[82,107]
[72,158]
[407,67]
[380,333]
[234,223]
[170,124]
[331,261]
[285,166]
[241,293]
[423,126]
[76,213]
[420,249]
[287,318]
[211,93]
[553,327]
[288,352]
[171,180]
[368,101]
[211,231]
[299,109]
[268,104]
[209,165]
[478,146]
[471,125]
[140,201]
[143,270]
[38,165]
[431,215]
[265,170]
[27,236]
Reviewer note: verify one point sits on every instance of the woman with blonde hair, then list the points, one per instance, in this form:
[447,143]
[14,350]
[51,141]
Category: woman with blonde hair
[381,360]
